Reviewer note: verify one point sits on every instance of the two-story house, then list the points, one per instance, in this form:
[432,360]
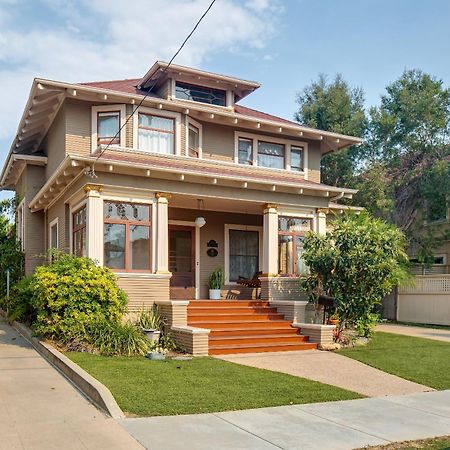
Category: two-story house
[192,182]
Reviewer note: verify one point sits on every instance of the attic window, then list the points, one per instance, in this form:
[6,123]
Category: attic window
[203,94]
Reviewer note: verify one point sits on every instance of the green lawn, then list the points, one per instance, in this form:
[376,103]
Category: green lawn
[153,388]
[424,361]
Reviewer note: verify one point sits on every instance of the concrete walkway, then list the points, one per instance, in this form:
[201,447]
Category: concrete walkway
[439,334]
[39,408]
[331,368]
[332,426]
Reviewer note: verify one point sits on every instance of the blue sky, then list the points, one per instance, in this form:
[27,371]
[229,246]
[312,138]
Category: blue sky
[282,44]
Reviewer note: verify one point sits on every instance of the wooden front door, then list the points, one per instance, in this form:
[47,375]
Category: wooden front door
[182,261]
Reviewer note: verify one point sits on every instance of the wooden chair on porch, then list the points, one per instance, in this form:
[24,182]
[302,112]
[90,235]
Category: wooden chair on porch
[254,282]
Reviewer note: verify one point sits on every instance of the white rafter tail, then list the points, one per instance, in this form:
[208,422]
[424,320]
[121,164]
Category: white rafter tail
[258,125]
[182,177]
[147,172]
[244,184]
[110,167]
[214,181]
[300,191]
[274,188]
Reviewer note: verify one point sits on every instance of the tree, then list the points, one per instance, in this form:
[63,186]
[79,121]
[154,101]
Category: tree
[339,108]
[358,262]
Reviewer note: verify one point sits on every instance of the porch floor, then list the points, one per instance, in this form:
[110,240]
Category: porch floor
[245,326]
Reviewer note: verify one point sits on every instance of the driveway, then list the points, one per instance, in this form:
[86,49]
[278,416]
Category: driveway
[40,409]
[331,368]
[439,334]
[332,426]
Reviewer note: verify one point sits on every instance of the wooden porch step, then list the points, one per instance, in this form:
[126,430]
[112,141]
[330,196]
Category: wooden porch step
[226,303]
[257,339]
[231,310]
[221,324]
[239,331]
[259,348]
[244,316]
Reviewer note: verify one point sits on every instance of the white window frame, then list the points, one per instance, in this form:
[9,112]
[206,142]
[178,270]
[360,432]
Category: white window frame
[238,227]
[73,208]
[53,223]
[288,143]
[160,113]
[20,225]
[190,121]
[94,123]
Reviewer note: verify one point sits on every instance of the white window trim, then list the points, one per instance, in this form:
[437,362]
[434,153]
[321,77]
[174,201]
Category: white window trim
[72,209]
[229,227]
[444,259]
[199,126]
[20,227]
[54,222]
[107,108]
[161,113]
[197,251]
[288,143]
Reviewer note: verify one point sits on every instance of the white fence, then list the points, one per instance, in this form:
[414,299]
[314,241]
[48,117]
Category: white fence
[426,301]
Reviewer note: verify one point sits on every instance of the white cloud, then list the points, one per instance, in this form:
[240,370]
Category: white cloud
[102,39]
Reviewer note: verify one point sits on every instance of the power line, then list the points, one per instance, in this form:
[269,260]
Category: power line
[91,171]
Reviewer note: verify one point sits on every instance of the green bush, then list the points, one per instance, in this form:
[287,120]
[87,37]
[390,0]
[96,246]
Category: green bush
[73,292]
[358,261]
[20,305]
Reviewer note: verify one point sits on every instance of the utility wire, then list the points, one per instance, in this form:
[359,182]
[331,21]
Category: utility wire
[91,171]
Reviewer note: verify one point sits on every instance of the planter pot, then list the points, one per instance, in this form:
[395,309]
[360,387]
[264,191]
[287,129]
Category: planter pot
[152,335]
[214,294]
[156,356]
[333,321]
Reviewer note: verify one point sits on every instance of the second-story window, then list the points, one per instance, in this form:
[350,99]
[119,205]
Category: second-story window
[156,134]
[271,155]
[297,158]
[108,124]
[245,151]
[203,94]
[194,141]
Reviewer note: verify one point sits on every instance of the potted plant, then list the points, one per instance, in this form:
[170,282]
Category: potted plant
[151,322]
[333,319]
[215,284]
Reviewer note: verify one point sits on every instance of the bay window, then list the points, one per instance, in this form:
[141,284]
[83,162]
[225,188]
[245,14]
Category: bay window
[79,232]
[291,234]
[156,134]
[271,155]
[127,236]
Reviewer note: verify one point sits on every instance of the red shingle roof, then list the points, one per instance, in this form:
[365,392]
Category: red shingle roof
[129,86]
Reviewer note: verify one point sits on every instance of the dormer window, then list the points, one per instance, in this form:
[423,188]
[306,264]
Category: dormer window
[203,94]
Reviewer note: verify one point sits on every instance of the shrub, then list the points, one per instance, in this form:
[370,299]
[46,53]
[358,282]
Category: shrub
[20,304]
[359,261]
[150,318]
[73,292]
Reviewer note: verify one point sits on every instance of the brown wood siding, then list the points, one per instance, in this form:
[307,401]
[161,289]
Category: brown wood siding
[218,142]
[215,229]
[164,90]
[314,157]
[59,210]
[78,126]
[129,126]
[184,134]
[141,290]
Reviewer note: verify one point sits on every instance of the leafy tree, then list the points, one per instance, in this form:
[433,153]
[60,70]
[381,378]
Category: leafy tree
[339,108]
[358,262]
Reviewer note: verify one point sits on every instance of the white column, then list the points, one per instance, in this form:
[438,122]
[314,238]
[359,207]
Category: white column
[162,233]
[321,221]
[270,240]
[94,223]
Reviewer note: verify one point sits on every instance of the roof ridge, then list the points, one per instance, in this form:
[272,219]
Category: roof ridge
[108,81]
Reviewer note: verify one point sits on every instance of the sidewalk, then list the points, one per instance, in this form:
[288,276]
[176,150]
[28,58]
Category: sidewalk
[331,368]
[40,409]
[332,426]
[439,334]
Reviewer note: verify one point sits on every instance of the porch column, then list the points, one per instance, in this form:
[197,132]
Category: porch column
[162,232]
[321,221]
[270,240]
[94,222]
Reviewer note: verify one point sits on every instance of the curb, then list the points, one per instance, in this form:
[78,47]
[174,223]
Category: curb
[97,393]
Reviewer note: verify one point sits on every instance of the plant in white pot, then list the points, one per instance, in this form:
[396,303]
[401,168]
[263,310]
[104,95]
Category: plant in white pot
[151,322]
[215,284]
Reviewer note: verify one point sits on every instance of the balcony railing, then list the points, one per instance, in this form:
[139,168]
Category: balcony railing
[435,269]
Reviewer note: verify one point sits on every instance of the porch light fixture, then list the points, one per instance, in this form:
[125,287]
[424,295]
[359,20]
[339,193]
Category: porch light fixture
[200,221]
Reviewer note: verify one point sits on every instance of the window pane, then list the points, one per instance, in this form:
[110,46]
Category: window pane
[244,254]
[245,151]
[156,141]
[296,158]
[54,236]
[293,224]
[108,126]
[270,155]
[126,211]
[302,268]
[285,254]
[139,247]
[79,242]
[114,245]
[157,122]
[202,94]
[193,141]
[79,218]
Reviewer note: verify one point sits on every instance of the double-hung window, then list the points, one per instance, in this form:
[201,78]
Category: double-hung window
[291,234]
[108,125]
[79,232]
[156,134]
[271,155]
[127,236]
[245,151]
[296,158]
[193,141]
[53,234]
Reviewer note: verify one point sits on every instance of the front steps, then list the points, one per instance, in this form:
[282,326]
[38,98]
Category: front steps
[241,326]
